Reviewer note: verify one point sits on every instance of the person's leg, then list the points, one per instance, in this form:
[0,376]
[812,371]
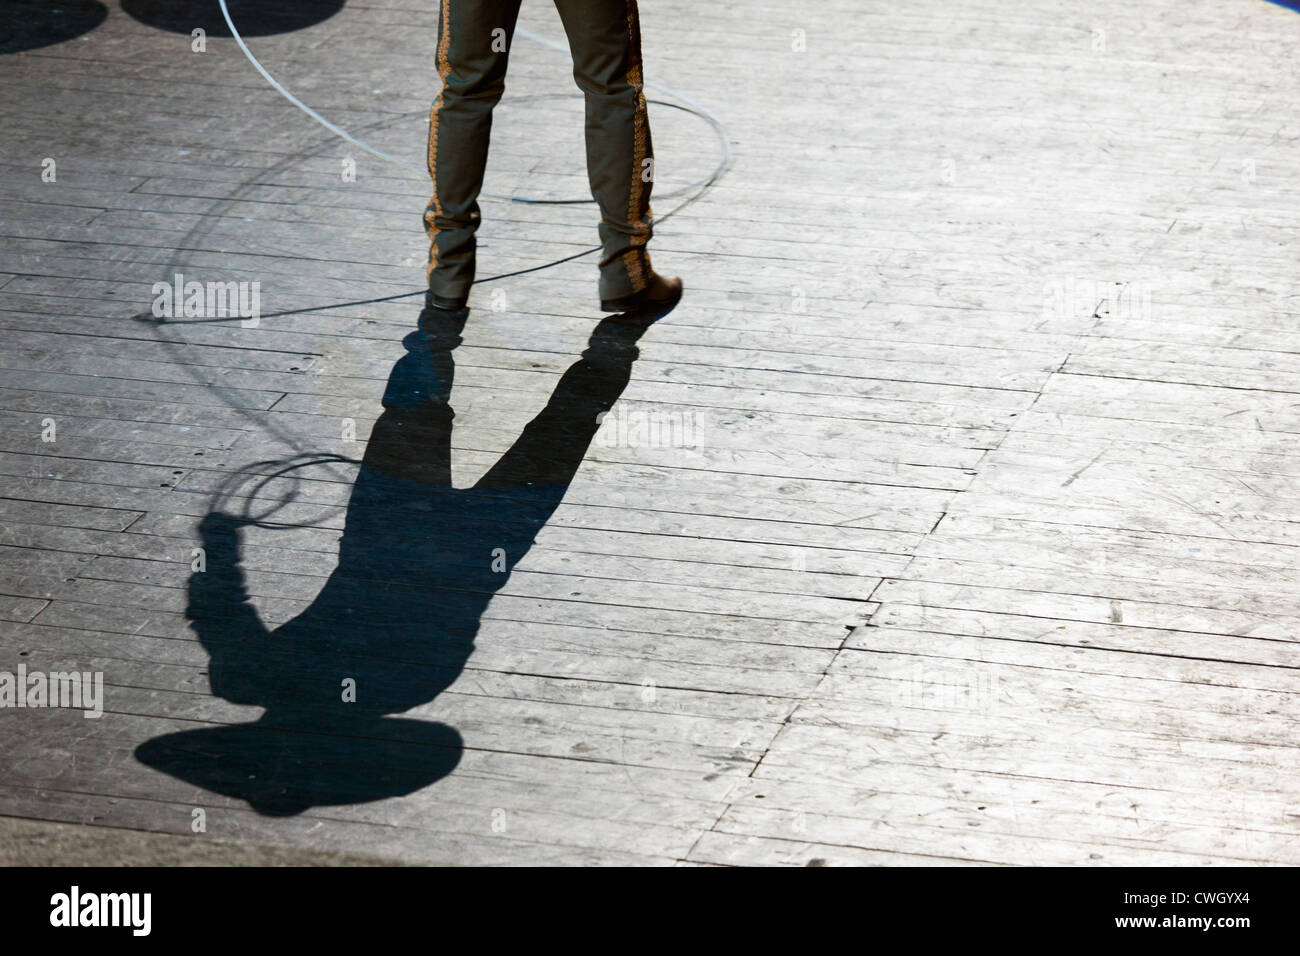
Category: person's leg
[474,39]
[605,39]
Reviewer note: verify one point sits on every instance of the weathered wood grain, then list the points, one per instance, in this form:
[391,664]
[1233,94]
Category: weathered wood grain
[981,548]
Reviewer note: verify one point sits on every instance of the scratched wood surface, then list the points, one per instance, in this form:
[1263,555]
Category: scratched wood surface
[972,537]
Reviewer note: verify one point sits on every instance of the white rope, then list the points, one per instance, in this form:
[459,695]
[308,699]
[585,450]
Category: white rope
[541,40]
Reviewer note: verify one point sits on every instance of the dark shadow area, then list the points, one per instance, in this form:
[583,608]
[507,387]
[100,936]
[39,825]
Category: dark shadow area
[418,562]
[32,24]
[253,18]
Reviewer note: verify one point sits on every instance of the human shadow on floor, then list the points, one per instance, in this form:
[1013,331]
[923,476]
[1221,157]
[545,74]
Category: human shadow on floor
[34,24]
[418,562]
[253,18]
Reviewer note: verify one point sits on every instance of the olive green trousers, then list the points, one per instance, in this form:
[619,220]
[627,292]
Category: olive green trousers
[474,40]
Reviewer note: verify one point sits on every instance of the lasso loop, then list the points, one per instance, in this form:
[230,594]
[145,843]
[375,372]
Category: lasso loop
[698,188]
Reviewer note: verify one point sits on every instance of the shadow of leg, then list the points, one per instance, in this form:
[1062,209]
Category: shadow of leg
[397,618]
[553,445]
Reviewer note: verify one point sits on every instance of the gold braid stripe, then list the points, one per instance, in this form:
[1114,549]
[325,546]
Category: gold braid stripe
[634,258]
[434,209]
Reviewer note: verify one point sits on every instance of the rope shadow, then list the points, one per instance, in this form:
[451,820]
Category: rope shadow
[393,626]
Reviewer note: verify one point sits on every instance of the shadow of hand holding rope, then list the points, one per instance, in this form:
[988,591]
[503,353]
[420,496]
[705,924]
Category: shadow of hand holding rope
[394,624]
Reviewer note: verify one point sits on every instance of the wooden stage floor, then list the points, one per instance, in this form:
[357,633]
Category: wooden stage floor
[952,518]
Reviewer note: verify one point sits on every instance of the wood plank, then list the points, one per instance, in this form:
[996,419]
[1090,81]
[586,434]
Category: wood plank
[980,549]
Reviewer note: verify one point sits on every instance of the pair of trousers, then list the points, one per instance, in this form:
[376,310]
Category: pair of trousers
[474,38]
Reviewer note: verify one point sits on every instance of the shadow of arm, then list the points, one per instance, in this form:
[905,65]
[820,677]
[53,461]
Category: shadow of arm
[219,610]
